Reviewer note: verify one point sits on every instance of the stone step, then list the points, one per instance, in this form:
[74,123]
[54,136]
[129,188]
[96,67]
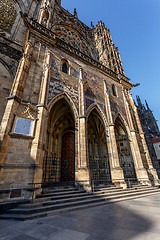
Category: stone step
[55,206]
[121,190]
[80,197]
[140,186]
[53,202]
[78,201]
[54,198]
[124,191]
[4,206]
[62,189]
[132,186]
[128,194]
[135,186]
[60,193]
[106,186]
[65,196]
[68,209]
[45,200]
[53,190]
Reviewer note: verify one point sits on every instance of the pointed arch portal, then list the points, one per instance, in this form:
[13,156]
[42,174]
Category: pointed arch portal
[97,148]
[59,162]
[124,150]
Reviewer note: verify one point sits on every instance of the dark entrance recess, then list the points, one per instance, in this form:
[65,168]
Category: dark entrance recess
[59,160]
[97,149]
[68,157]
[124,150]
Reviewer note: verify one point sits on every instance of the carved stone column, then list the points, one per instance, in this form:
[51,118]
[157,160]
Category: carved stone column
[37,149]
[82,173]
[141,172]
[116,171]
[151,169]
[14,99]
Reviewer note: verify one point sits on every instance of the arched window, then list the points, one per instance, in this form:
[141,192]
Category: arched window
[114,90]
[65,66]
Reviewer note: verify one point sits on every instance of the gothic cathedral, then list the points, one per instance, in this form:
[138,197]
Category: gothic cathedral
[66,111]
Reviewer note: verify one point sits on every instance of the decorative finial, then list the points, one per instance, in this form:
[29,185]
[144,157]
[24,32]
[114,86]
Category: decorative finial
[75,13]
[92,26]
[147,105]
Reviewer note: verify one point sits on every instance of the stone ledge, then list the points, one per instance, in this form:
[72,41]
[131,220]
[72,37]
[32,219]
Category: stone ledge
[15,135]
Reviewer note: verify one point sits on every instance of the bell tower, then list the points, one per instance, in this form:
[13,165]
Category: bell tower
[109,55]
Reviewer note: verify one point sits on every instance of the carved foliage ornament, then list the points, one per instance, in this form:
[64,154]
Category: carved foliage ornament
[7,14]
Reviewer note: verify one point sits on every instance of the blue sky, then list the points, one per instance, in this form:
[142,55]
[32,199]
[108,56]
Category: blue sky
[135,30]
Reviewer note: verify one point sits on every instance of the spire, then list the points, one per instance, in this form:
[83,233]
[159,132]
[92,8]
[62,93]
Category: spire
[138,100]
[108,54]
[92,26]
[147,105]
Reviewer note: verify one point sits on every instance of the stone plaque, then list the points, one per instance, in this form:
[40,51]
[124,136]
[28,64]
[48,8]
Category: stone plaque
[24,126]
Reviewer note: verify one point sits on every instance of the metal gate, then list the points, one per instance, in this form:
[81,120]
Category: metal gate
[51,168]
[99,168]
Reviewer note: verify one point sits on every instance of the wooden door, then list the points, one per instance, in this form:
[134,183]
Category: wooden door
[68,157]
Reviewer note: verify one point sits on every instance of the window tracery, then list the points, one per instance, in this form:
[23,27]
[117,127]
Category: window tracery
[72,38]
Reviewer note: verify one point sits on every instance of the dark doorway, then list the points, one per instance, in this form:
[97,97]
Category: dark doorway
[124,150]
[59,160]
[97,149]
[68,156]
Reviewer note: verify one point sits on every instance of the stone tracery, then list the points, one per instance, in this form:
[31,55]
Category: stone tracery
[68,35]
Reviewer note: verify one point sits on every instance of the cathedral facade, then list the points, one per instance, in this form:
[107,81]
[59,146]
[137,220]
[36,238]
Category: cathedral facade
[67,114]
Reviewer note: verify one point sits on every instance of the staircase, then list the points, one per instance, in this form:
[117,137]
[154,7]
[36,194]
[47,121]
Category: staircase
[55,201]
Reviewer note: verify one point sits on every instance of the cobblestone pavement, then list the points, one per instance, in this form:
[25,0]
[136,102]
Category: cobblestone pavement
[130,220]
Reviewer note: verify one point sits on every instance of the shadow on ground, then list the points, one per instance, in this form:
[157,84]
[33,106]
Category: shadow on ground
[119,221]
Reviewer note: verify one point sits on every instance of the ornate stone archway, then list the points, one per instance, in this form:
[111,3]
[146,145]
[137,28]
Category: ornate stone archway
[97,147]
[124,149]
[59,161]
